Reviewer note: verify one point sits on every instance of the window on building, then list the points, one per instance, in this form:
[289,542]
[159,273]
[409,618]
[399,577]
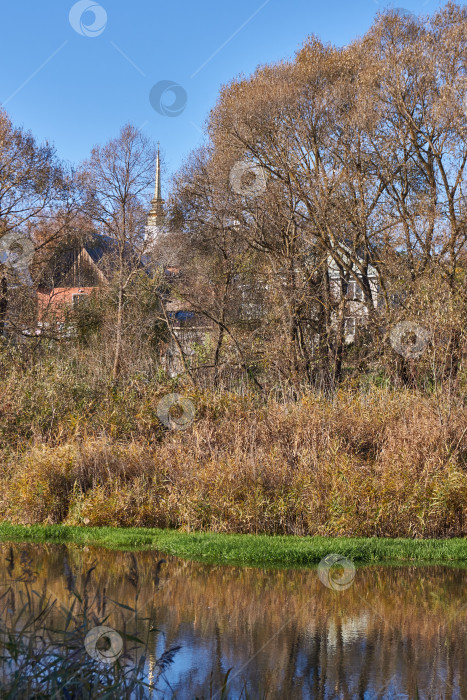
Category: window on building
[77,299]
[349,327]
[354,291]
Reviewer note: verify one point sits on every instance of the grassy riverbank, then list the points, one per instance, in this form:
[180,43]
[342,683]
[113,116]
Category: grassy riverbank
[248,550]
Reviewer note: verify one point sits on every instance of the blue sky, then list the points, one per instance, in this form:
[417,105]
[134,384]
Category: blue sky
[77,85]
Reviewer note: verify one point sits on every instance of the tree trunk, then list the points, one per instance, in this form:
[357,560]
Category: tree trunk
[220,339]
[3,304]
[118,338]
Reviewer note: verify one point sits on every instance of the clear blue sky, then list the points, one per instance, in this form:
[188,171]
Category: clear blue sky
[78,90]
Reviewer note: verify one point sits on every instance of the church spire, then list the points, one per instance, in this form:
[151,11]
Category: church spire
[156,213]
[157,193]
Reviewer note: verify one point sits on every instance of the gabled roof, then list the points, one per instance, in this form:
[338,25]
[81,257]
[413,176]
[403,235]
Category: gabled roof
[333,268]
[98,246]
[82,261]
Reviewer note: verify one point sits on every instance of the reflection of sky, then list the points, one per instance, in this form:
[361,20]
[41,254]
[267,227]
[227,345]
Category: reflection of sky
[192,664]
[198,657]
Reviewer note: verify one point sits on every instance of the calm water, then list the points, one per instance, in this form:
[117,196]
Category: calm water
[393,633]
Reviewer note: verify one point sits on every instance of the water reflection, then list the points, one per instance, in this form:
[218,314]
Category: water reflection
[396,632]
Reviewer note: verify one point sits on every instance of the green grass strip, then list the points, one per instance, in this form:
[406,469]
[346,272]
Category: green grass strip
[247,550]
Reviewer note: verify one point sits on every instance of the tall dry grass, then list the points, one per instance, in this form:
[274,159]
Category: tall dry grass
[381,463]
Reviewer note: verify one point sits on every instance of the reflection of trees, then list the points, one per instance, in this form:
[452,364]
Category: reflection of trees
[402,624]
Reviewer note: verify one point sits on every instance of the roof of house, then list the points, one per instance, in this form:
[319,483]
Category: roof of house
[333,267]
[98,246]
[90,259]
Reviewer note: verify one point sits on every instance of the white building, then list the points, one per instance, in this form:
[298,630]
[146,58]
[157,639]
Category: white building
[356,310]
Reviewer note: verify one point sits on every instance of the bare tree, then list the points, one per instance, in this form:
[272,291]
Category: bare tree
[117,178]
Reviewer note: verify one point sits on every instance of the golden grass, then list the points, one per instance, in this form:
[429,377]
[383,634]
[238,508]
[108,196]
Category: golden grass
[386,463]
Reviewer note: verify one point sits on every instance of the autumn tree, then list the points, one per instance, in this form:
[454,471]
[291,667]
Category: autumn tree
[34,186]
[117,178]
[363,152]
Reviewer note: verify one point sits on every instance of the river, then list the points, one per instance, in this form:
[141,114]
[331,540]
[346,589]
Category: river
[392,632]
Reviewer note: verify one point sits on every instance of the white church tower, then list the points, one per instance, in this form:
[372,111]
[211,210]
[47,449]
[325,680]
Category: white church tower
[156,216]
